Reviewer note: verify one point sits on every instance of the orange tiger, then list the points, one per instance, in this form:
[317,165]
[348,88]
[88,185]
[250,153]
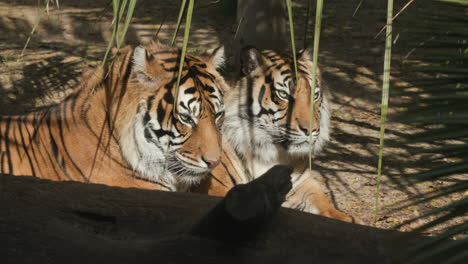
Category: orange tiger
[268,122]
[118,127]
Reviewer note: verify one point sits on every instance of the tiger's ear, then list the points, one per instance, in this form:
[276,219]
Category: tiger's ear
[305,54]
[216,56]
[142,60]
[250,60]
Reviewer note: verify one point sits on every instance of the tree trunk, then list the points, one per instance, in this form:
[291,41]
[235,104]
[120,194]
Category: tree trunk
[262,24]
[67,222]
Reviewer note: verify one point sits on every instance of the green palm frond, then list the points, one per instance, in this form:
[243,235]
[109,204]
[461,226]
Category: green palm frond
[438,92]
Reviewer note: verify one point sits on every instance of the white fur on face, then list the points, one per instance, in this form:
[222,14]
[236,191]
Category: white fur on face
[154,149]
[147,158]
[261,137]
[318,139]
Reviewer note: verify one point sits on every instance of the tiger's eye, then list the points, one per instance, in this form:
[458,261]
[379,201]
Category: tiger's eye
[219,115]
[185,119]
[282,94]
[317,95]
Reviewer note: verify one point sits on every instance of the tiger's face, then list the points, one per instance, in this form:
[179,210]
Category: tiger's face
[276,108]
[175,146]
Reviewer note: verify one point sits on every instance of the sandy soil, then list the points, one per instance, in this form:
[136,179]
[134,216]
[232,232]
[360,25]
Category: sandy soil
[73,38]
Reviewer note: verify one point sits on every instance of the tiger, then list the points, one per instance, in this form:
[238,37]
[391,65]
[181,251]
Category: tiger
[119,127]
[267,122]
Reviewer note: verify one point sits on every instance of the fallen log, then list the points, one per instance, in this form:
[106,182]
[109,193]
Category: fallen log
[67,222]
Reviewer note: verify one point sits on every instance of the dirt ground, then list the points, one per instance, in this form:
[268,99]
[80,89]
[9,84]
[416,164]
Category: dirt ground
[73,38]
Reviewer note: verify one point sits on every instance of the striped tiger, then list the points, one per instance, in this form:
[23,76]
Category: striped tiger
[267,123]
[118,126]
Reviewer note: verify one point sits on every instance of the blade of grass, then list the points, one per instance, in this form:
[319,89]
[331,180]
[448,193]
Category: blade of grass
[318,23]
[36,23]
[357,8]
[160,26]
[188,21]
[128,18]
[120,15]
[179,20]
[309,5]
[237,28]
[399,12]
[115,28]
[384,106]
[293,43]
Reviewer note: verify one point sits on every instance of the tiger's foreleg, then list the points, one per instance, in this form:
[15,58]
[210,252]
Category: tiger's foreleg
[308,196]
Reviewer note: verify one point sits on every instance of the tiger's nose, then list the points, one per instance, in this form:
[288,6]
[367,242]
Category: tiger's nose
[306,129]
[211,162]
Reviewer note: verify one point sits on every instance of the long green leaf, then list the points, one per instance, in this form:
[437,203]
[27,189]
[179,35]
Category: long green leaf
[188,21]
[179,20]
[306,26]
[36,23]
[293,42]
[115,28]
[128,18]
[318,24]
[385,94]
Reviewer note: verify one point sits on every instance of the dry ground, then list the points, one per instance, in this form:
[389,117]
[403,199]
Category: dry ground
[73,38]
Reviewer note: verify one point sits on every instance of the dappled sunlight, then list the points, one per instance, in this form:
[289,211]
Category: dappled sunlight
[73,38]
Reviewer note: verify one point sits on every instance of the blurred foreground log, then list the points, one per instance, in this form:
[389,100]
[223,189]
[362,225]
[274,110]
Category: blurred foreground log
[66,222]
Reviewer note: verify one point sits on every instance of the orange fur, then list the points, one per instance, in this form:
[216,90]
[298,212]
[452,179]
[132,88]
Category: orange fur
[79,139]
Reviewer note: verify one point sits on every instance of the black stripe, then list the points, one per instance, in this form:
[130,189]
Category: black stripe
[166,52]
[208,88]
[302,71]
[218,180]
[279,66]
[161,113]
[7,146]
[250,96]
[171,60]
[31,138]
[2,158]
[281,117]
[25,147]
[174,69]
[191,101]
[260,95]
[160,133]
[185,107]
[65,149]
[168,97]
[146,118]
[190,90]
[53,143]
[285,72]
[149,102]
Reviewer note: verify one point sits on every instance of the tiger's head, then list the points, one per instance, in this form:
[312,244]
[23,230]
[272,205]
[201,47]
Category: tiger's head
[177,147]
[276,109]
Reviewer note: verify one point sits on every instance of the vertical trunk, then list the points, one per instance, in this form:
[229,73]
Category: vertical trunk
[263,24]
